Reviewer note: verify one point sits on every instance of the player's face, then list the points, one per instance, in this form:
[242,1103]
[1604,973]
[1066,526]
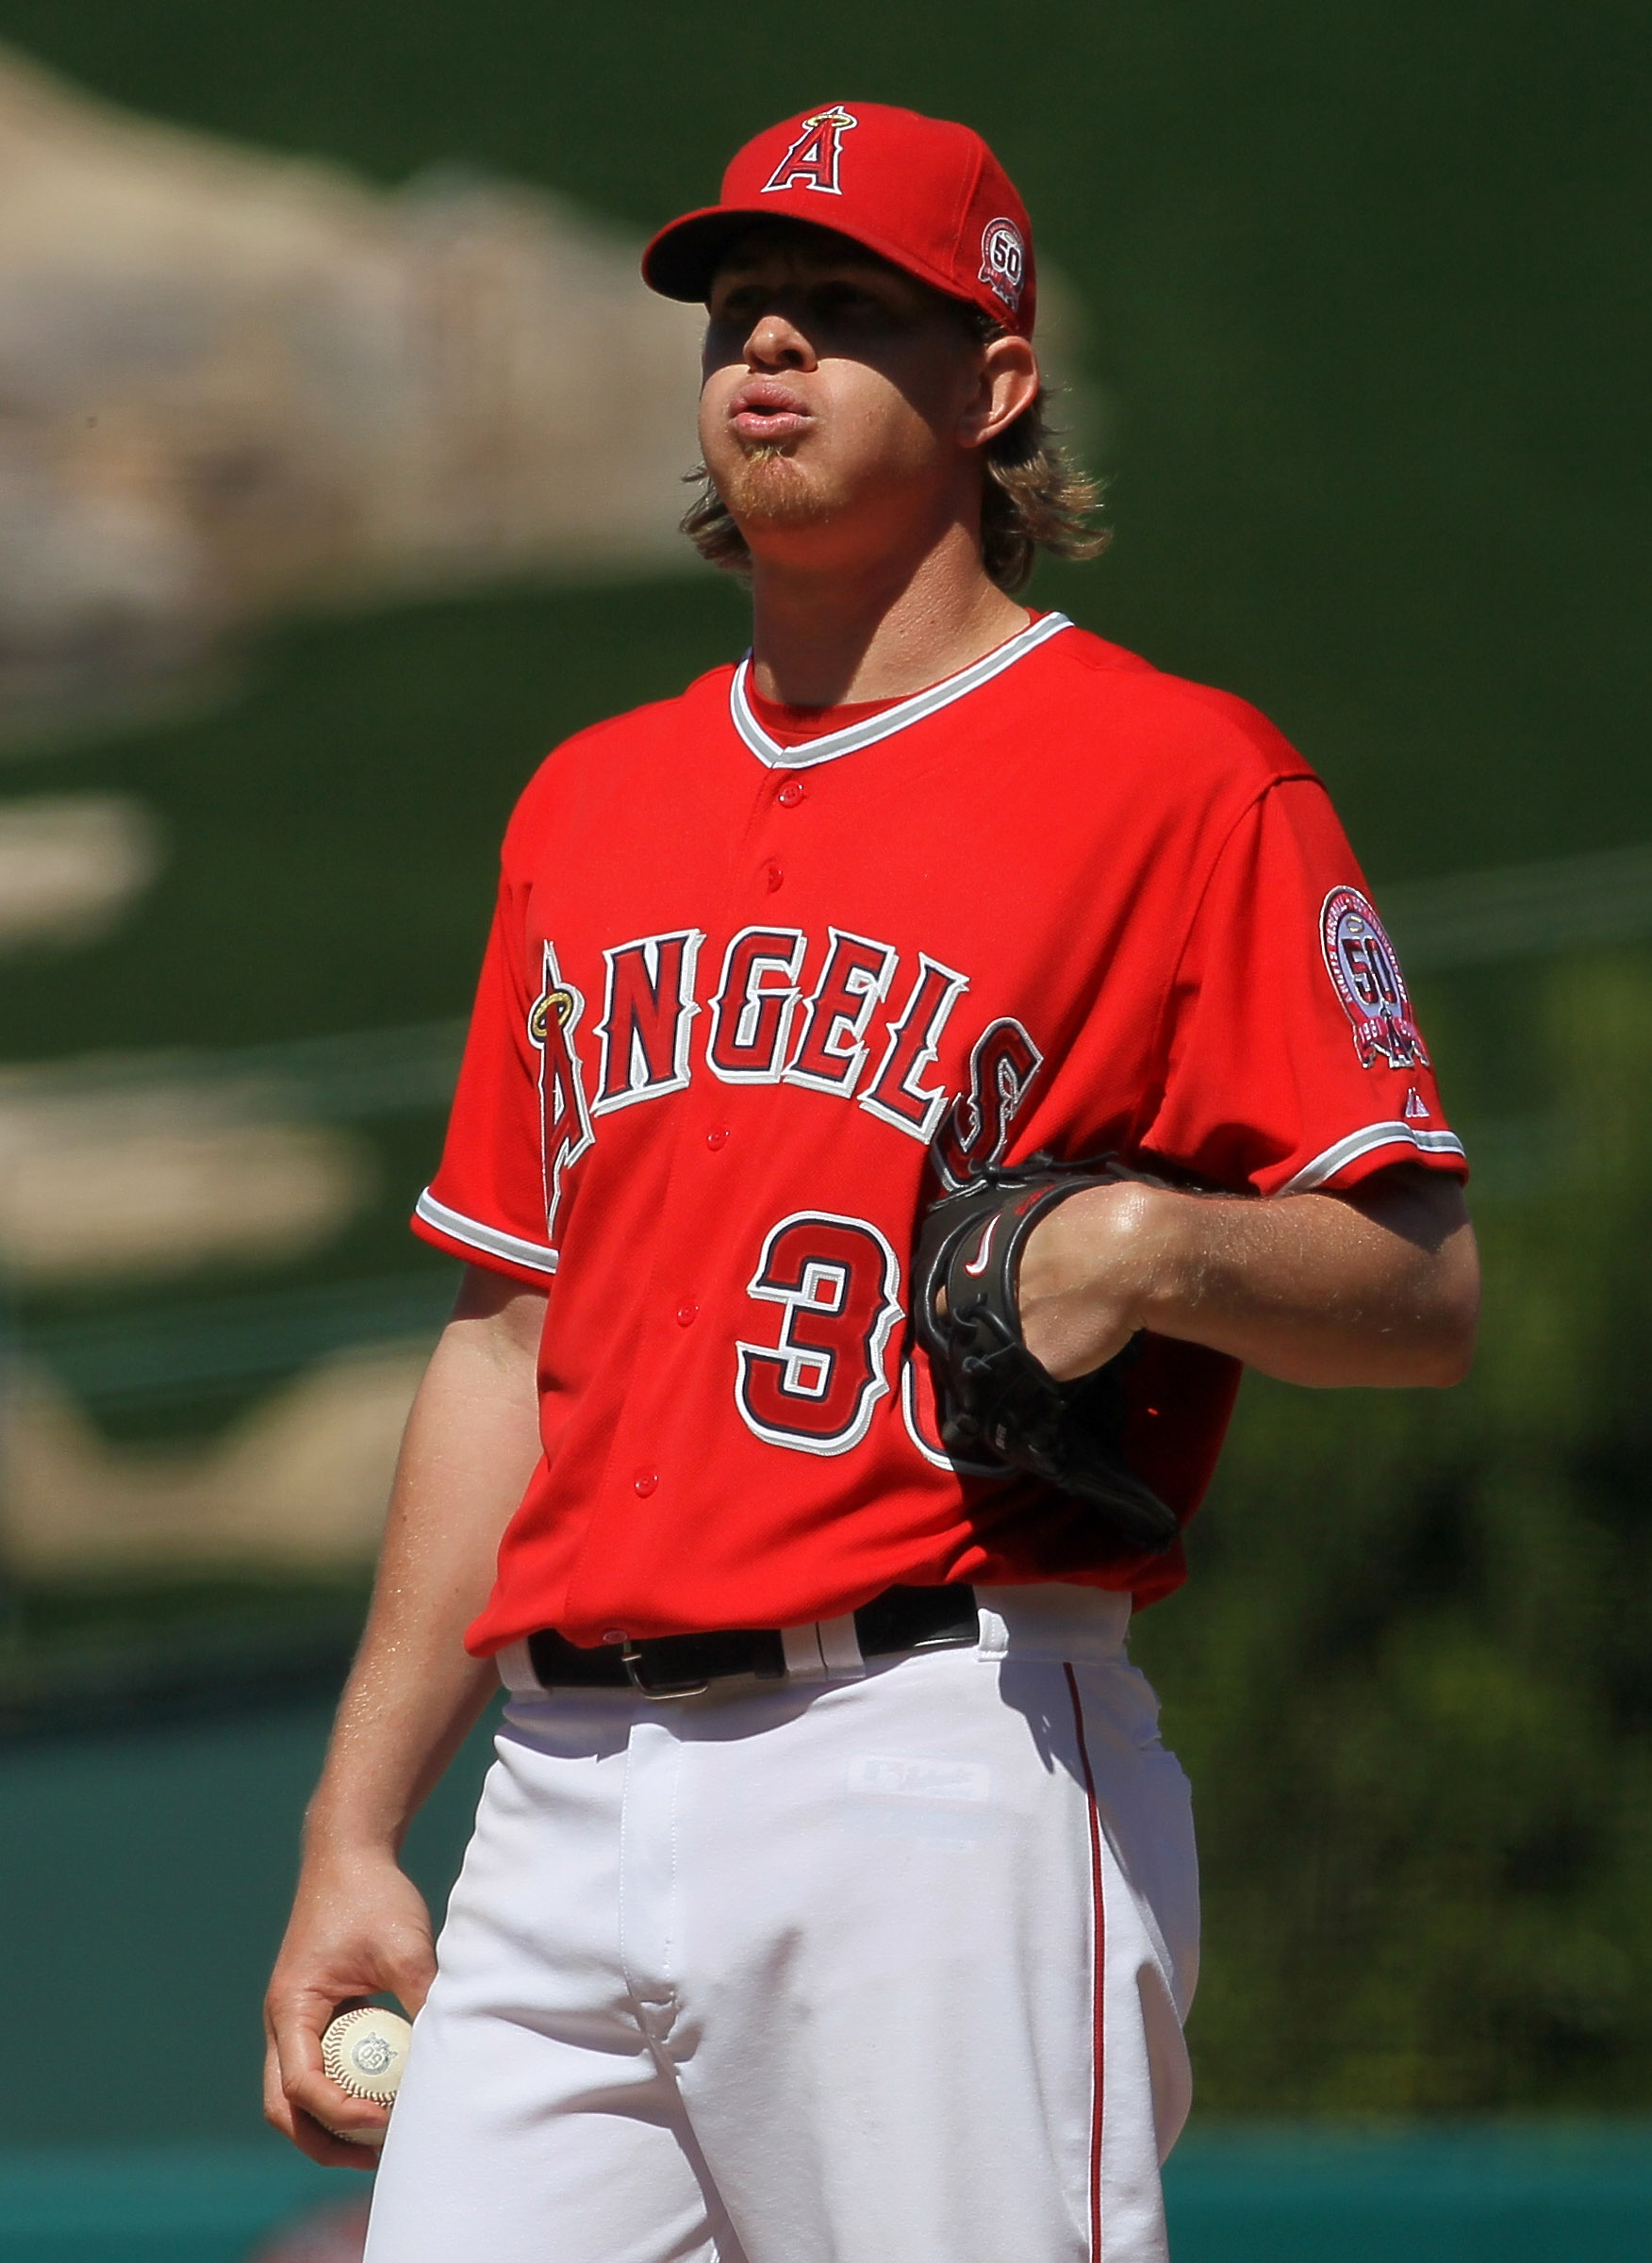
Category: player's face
[844,404]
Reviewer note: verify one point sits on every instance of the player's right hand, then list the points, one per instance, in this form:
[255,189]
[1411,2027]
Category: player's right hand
[359,1928]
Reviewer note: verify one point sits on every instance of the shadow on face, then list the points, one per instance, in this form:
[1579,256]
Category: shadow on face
[834,383]
[843,299]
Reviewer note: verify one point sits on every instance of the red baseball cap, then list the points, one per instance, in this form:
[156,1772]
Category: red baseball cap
[923,194]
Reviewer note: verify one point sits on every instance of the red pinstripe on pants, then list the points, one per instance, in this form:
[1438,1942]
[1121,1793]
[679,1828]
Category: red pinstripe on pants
[1099,1954]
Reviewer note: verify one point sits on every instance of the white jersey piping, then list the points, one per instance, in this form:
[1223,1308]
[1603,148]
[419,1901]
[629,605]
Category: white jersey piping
[856,735]
[472,1231]
[1361,1143]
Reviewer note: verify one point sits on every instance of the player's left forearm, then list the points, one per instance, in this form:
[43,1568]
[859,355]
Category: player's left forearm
[1379,1286]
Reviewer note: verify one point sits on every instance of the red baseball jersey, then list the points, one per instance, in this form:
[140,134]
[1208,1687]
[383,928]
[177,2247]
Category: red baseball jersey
[751,994]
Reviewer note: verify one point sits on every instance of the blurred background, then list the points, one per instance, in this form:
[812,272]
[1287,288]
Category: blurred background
[339,453]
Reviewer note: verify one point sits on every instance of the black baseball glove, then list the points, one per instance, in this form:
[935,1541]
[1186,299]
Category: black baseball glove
[998,1404]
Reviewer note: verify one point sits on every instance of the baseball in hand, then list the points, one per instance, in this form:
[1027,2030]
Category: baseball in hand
[364,2053]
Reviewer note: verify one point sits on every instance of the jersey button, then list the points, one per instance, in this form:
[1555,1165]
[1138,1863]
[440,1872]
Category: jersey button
[790,794]
[687,1313]
[647,1482]
[772,876]
[718,1138]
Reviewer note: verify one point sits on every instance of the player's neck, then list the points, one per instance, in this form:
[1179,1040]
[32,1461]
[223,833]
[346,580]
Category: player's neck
[828,633]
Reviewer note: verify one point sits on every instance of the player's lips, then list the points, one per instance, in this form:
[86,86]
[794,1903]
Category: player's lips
[767,411]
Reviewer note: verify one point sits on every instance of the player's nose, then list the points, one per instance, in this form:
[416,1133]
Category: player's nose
[776,343]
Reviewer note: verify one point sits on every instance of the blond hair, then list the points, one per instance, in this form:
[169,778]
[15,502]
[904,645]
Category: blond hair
[1035,496]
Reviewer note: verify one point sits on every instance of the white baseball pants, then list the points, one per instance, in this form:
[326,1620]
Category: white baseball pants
[884,1967]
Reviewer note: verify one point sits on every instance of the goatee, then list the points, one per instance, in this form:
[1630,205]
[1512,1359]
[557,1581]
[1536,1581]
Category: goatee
[766,486]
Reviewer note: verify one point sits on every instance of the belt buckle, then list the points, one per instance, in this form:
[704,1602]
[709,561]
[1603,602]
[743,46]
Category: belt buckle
[630,1658]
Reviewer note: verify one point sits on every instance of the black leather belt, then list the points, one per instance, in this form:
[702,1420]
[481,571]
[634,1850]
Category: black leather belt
[683,1666]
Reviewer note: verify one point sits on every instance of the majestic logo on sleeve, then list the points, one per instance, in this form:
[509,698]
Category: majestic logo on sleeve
[1004,261]
[1364,971]
[813,159]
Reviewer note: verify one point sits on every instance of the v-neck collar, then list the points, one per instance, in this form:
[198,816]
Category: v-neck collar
[856,735]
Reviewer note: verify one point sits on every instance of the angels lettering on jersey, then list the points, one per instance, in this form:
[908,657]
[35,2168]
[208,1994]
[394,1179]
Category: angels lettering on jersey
[840,1016]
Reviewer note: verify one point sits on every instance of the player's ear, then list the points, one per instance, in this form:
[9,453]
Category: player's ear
[1007,386]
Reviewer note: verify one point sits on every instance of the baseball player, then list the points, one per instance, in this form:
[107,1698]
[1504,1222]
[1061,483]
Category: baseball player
[913,1070]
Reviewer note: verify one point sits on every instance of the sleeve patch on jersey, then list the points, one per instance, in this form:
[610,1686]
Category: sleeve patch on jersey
[1365,972]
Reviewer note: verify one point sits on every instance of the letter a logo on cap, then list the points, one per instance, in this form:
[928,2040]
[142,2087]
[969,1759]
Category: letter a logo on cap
[812,161]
